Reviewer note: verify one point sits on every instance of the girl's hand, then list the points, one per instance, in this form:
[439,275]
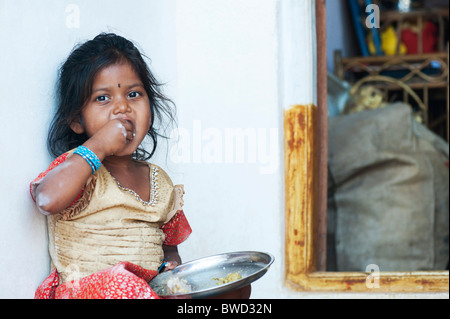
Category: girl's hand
[171,265]
[168,265]
[113,137]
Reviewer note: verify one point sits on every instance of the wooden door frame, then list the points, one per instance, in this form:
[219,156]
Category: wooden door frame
[305,157]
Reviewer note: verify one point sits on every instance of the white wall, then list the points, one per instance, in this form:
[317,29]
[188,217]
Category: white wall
[35,38]
[220,60]
[227,79]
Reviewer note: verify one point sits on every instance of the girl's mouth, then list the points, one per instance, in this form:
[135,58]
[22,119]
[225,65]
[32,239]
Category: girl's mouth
[128,121]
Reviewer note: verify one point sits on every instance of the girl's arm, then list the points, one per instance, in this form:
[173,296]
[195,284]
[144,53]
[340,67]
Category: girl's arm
[59,188]
[171,256]
[62,185]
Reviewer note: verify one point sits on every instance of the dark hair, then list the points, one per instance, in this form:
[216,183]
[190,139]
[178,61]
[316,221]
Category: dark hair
[74,87]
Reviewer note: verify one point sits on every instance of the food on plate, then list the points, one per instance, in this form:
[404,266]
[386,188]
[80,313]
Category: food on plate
[229,278]
[178,286]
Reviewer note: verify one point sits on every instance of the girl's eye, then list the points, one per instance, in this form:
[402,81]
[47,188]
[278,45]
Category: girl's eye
[134,94]
[101,98]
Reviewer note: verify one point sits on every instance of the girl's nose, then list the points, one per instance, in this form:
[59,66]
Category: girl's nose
[121,106]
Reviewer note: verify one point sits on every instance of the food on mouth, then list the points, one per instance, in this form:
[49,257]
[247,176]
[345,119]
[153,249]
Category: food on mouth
[229,278]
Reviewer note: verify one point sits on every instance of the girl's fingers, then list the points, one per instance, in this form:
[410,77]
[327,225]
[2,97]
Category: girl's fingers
[128,130]
[171,265]
[130,136]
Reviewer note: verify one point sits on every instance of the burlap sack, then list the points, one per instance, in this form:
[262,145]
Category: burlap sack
[388,192]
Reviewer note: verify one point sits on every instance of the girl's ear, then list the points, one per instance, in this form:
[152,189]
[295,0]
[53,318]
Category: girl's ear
[76,125]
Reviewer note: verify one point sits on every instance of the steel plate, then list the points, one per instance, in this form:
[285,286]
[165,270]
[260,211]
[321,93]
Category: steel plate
[200,273]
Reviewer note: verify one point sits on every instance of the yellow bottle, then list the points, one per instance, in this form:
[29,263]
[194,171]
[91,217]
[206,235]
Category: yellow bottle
[388,43]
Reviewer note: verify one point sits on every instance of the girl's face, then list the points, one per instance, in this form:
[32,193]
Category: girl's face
[118,92]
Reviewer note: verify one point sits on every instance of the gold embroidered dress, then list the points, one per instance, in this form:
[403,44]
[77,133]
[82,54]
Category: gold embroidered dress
[108,224]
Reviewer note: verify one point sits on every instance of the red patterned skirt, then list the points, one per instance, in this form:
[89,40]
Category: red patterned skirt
[123,281]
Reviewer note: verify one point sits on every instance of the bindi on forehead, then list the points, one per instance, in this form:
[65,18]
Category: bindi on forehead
[118,85]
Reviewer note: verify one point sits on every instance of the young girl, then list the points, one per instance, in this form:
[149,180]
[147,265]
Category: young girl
[113,218]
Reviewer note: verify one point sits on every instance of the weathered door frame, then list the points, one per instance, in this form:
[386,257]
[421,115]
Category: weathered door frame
[305,156]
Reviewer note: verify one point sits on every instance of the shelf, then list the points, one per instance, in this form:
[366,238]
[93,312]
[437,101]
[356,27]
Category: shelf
[415,75]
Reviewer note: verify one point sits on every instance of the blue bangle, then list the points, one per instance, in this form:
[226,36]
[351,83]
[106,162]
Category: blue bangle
[90,157]
[162,267]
